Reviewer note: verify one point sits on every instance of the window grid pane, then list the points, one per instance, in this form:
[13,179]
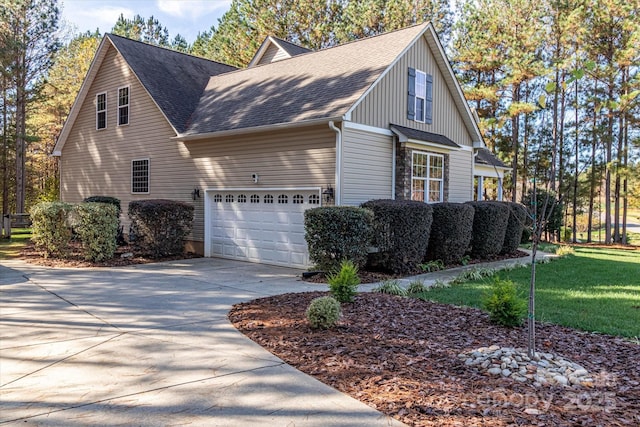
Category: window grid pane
[123,106]
[140,176]
[427,177]
[101,111]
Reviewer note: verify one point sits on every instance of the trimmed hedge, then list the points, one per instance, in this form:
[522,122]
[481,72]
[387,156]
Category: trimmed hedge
[159,227]
[400,233]
[50,229]
[97,226]
[489,228]
[115,202]
[515,227]
[105,199]
[337,233]
[451,232]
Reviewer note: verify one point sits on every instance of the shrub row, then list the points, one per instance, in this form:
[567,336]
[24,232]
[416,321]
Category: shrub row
[403,234]
[160,226]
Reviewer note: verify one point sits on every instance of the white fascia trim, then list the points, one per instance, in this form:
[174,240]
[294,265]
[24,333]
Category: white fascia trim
[367,128]
[433,144]
[466,148]
[82,95]
[387,70]
[319,189]
[277,126]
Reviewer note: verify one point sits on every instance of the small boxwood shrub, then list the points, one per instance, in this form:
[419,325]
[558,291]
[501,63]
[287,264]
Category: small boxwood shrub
[451,232]
[97,226]
[344,283]
[323,312]
[489,227]
[336,233]
[50,229]
[504,305]
[159,226]
[515,227]
[400,233]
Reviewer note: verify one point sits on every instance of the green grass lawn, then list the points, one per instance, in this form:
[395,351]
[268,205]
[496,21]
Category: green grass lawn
[10,248]
[594,290]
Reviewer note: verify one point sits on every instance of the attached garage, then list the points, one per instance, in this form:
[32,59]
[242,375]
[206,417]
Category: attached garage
[265,226]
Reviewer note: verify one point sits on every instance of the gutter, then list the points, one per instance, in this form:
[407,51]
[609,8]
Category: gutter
[240,131]
[338,197]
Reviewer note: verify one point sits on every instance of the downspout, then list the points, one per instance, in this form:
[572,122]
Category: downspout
[338,198]
[393,167]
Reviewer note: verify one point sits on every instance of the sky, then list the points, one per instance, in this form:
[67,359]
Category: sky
[184,17]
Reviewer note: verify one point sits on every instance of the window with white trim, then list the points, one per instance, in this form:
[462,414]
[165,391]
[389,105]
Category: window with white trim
[140,176]
[427,177]
[101,110]
[123,106]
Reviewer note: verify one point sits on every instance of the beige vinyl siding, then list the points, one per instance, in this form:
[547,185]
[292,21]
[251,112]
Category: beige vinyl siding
[367,166]
[387,101]
[273,54]
[99,162]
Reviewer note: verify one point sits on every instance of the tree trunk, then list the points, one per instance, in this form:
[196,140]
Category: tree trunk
[574,223]
[514,143]
[592,186]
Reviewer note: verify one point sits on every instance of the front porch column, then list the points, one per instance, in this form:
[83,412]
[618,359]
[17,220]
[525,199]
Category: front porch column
[499,188]
[480,189]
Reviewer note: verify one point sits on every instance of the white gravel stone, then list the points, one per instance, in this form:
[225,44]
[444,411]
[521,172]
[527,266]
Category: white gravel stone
[543,369]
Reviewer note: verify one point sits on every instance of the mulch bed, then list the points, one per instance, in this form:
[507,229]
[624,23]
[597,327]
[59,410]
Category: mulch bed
[373,276]
[399,356]
[75,259]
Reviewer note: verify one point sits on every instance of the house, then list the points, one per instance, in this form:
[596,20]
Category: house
[251,149]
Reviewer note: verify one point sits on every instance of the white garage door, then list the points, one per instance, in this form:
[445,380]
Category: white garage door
[265,226]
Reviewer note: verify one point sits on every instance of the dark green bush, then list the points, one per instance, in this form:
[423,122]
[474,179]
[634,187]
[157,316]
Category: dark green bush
[115,202]
[547,207]
[323,312]
[344,283]
[159,227]
[400,233]
[97,226]
[337,233]
[489,227]
[50,229]
[515,227]
[504,305]
[451,232]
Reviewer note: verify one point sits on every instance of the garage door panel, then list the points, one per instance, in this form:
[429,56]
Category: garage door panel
[257,231]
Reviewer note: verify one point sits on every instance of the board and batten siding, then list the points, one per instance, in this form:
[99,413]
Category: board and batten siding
[99,162]
[387,101]
[367,160]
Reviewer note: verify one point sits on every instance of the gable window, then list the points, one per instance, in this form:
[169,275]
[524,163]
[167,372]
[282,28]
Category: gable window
[420,96]
[101,111]
[140,176]
[123,106]
[427,177]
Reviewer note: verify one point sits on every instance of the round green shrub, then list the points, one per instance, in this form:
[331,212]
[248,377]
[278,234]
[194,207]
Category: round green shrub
[323,312]
[504,305]
[489,227]
[97,227]
[336,233]
[515,227]
[451,232]
[400,233]
[50,229]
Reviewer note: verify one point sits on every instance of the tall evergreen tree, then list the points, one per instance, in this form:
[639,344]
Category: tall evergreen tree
[31,44]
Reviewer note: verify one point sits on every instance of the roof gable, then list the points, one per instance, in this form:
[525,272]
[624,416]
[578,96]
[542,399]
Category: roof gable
[174,80]
[319,85]
[274,49]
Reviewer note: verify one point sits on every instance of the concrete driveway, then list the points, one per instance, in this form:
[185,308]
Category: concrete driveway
[151,346]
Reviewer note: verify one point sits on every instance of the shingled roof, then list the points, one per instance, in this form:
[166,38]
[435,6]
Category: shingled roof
[486,157]
[405,133]
[173,79]
[313,86]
